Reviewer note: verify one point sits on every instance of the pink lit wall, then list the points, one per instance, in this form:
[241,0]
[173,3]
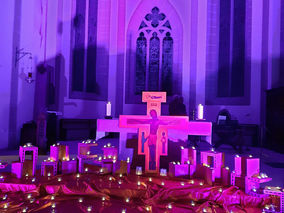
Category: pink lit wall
[43,27]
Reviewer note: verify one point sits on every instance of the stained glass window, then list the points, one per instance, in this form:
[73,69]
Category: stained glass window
[167,64]
[141,46]
[154,54]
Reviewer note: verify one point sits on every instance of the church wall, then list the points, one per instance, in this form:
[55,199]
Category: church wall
[274,45]
[249,114]
[6,42]
[194,62]
[26,29]
[182,9]
[80,108]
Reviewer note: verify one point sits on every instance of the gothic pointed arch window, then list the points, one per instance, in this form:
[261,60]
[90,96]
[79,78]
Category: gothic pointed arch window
[154,68]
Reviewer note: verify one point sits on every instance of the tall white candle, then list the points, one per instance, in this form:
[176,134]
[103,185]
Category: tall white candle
[200,111]
[108,109]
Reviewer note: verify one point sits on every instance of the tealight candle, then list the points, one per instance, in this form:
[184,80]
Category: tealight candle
[169,206]
[128,159]
[89,209]
[120,175]
[138,170]
[182,183]
[162,183]
[59,179]
[52,197]
[48,174]
[103,198]
[5,205]
[86,169]
[163,172]
[150,179]
[80,200]
[192,203]
[78,175]
[127,200]
[138,183]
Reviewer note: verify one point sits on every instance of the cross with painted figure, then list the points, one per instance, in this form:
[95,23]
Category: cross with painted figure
[153,129]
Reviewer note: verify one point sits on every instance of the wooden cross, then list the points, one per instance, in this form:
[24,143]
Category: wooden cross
[153,129]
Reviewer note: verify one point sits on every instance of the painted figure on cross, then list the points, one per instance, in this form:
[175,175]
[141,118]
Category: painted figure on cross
[153,129]
[154,123]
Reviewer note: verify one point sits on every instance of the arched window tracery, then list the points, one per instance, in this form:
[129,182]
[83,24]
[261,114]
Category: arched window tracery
[154,54]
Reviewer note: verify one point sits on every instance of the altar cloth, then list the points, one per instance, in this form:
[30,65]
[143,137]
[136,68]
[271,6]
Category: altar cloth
[107,193]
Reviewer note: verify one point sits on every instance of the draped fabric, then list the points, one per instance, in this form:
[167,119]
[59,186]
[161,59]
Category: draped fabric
[107,193]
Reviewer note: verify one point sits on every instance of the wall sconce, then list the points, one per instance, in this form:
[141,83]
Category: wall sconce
[20,54]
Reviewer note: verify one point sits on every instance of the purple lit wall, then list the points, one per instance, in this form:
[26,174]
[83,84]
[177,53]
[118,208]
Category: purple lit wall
[44,28]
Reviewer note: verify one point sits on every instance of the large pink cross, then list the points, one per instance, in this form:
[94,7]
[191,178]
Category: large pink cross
[153,129]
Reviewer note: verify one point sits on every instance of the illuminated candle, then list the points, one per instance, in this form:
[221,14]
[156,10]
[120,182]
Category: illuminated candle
[108,109]
[138,170]
[200,111]
[163,172]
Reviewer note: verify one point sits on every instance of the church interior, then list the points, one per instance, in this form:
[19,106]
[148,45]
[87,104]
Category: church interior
[142,106]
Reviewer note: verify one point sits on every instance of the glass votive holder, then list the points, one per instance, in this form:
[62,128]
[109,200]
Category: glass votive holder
[163,172]
[138,170]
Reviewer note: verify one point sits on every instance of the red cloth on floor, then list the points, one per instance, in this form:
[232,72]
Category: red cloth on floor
[173,195]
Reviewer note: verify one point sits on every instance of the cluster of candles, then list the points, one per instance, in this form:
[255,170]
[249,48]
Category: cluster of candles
[49,160]
[89,141]
[28,145]
[275,189]
[182,147]
[108,145]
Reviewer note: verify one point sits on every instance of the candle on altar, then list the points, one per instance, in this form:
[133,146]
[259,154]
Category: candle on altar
[108,109]
[200,112]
